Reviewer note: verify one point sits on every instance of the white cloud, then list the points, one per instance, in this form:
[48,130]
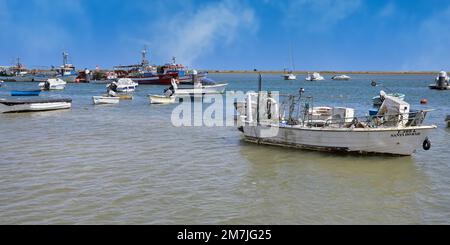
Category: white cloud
[191,35]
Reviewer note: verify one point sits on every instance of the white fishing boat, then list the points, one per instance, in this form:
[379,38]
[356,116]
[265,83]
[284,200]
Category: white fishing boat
[341,78]
[442,82]
[123,85]
[392,131]
[103,100]
[162,99]
[53,84]
[314,77]
[38,104]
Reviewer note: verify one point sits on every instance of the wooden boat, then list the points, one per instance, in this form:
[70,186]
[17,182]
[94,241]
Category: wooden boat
[161,99]
[25,93]
[102,100]
[39,104]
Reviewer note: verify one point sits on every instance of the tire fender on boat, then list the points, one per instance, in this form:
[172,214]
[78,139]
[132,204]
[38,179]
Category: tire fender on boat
[426,144]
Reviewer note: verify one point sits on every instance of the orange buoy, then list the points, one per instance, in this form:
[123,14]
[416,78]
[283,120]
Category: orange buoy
[424,101]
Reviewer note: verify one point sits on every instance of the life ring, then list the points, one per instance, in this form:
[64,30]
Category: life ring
[427,144]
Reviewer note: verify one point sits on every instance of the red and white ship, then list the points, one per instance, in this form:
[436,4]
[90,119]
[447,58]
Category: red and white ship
[145,73]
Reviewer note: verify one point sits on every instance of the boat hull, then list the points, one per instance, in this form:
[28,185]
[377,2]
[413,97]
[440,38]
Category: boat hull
[391,141]
[290,77]
[26,93]
[213,89]
[101,100]
[38,105]
[436,87]
[158,99]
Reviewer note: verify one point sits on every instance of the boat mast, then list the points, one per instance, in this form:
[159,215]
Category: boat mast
[292,58]
[65,58]
[144,60]
[259,94]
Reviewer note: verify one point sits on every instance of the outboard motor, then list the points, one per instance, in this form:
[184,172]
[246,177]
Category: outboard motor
[47,86]
[442,80]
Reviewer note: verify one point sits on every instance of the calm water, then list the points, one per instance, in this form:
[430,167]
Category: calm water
[126,164]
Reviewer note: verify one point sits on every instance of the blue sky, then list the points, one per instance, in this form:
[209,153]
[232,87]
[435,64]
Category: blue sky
[230,34]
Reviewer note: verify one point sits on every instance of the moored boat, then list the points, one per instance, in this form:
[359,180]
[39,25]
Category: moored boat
[448,121]
[289,77]
[199,86]
[162,99]
[67,71]
[102,100]
[147,74]
[393,131]
[123,85]
[29,105]
[314,77]
[18,93]
[53,84]
[442,82]
[341,78]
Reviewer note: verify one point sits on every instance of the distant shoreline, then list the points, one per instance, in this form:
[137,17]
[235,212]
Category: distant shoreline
[327,72]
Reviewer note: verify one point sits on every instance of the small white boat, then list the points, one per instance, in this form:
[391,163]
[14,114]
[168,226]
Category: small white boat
[314,77]
[341,78]
[199,87]
[161,99]
[53,84]
[442,82]
[202,90]
[289,77]
[123,85]
[105,100]
[1,83]
[39,104]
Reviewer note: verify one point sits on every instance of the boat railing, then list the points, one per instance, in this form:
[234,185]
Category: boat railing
[410,119]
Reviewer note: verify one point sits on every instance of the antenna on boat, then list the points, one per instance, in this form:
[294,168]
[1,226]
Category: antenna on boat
[65,58]
[144,56]
[259,93]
